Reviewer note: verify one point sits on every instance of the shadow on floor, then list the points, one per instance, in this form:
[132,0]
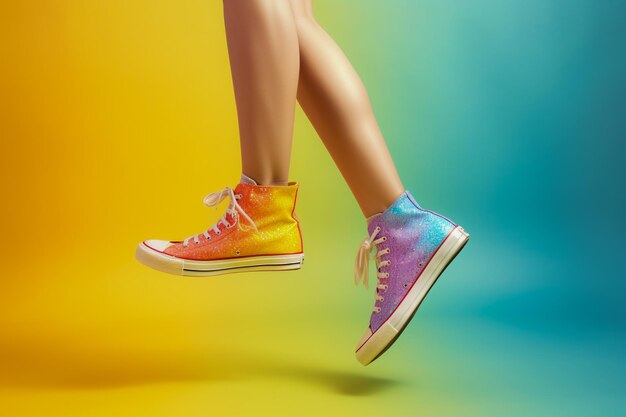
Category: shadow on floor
[54,363]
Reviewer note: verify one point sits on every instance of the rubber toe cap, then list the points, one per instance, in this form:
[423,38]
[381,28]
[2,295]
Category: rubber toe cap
[158,245]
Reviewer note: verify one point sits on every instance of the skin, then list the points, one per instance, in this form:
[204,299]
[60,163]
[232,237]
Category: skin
[279,54]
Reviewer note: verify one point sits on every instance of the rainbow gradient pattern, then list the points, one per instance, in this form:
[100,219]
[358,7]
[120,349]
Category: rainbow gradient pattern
[508,115]
[271,208]
[413,235]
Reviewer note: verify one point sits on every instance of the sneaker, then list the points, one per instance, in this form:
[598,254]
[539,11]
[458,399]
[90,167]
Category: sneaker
[414,246]
[258,232]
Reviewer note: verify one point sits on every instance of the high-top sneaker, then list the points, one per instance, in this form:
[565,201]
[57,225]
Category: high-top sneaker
[258,231]
[414,246]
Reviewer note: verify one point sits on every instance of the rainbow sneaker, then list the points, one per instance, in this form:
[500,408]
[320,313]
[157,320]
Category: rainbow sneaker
[258,232]
[414,246]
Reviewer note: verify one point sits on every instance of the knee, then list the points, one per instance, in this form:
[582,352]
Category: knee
[258,10]
[302,10]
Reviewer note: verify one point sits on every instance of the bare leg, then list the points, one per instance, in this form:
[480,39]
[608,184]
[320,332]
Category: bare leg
[334,99]
[264,59]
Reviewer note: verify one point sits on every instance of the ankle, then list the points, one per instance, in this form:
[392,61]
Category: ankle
[369,219]
[260,180]
[381,207]
[280,182]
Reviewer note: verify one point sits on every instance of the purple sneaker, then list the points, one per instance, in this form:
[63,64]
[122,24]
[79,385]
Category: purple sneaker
[414,247]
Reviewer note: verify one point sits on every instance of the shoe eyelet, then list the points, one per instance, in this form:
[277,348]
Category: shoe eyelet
[406,285]
[237,252]
[378,228]
[384,238]
[218,232]
[420,264]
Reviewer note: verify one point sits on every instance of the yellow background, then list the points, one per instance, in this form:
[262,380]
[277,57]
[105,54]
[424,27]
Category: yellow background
[118,117]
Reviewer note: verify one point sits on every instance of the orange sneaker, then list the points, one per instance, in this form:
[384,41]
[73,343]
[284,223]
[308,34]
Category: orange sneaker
[258,232]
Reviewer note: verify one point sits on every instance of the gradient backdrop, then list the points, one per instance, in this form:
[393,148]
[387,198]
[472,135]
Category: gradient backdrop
[118,117]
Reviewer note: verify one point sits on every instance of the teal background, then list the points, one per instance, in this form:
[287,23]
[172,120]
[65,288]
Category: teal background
[508,116]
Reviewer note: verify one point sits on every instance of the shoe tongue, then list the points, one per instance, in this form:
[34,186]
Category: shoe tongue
[372,217]
[247,180]
[372,222]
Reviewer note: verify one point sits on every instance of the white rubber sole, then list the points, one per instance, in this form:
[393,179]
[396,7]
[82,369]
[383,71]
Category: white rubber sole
[177,266]
[388,332]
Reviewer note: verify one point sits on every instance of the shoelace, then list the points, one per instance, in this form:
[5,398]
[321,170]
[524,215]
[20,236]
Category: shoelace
[361,264]
[212,200]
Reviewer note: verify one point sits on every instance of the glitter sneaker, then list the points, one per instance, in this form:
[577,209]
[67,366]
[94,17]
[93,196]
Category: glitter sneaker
[414,246]
[258,232]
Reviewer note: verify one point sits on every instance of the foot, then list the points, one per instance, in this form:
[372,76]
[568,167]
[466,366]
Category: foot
[414,246]
[259,231]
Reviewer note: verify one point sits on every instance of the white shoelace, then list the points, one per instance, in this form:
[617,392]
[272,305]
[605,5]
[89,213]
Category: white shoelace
[361,263]
[212,200]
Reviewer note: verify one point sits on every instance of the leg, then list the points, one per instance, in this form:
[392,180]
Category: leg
[421,243]
[259,230]
[334,99]
[264,59]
